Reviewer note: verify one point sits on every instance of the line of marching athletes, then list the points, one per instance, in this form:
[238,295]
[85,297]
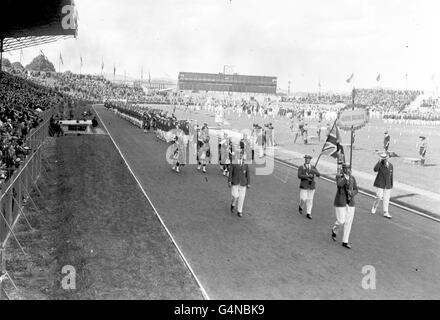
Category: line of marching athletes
[233,163]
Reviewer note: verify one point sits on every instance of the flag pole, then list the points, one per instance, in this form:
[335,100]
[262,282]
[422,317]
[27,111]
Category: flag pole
[317,161]
[319,157]
[352,130]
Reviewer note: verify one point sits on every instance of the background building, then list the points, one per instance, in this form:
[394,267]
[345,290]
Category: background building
[226,83]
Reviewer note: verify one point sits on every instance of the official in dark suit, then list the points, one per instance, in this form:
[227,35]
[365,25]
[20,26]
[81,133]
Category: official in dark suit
[344,204]
[383,184]
[239,182]
[307,173]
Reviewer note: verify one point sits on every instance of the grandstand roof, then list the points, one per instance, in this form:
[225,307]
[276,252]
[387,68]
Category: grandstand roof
[27,23]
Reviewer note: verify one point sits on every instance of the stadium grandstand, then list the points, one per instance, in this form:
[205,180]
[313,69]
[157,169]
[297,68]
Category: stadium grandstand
[49,21]
[26,108]
[192,81]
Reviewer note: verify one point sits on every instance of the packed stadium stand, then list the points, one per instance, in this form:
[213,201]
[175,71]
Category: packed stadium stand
[21,104]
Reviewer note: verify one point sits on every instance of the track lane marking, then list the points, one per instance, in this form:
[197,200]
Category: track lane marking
[202,289]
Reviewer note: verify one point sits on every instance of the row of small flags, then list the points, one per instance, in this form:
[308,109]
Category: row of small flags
[349,79]
[377,78]
[102,65]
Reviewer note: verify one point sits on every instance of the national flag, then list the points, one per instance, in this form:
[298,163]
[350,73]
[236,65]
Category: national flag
[378,77]
[333,143]
[102,65]
[61,59]
[350,78]
[149,77]
[81,59]
[114,70]
[406,76]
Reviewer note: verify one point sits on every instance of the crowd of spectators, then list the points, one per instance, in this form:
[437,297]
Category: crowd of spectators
[88,87]
[377,99]
[21,106]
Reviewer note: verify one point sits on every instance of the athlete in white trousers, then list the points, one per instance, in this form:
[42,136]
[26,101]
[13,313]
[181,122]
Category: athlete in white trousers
[344,204]
[307,173]
[383,184]
[239,181]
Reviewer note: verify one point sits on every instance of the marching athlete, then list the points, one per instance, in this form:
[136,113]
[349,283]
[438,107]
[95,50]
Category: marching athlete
[307,173]
[225,154]
[383,184]
[344,204]
[176,154]
[386,141]
[204,152]
[422,150]
[239,182]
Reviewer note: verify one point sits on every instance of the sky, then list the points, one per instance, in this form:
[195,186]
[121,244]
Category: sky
[304,42]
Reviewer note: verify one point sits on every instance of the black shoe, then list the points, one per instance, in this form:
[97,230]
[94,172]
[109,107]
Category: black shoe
[232,209]
[240,214]
[309,216]
[300,210]
[346,245]
[334,235]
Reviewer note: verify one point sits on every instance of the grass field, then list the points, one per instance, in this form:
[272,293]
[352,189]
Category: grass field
[95,218]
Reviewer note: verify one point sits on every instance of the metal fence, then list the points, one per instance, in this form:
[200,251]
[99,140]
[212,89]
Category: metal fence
[17,189]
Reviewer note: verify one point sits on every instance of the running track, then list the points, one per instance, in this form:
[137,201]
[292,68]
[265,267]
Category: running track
[273,252]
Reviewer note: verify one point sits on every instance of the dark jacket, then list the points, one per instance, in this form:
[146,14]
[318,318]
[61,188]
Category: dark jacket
[342,197]
[384,178]
[239,175]
[307,177]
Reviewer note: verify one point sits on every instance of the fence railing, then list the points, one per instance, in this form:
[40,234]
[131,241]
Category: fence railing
[18,188]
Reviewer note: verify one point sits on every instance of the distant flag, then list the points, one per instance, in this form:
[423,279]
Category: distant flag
[102,65]
[42,53]
[406,76]
[21,55]
[61,59]
[351,78]
[114,70]
[149,78]
[333,143]
[81,59]
[378,77]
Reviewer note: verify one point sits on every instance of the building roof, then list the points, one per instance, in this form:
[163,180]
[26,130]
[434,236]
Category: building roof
[28,23]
